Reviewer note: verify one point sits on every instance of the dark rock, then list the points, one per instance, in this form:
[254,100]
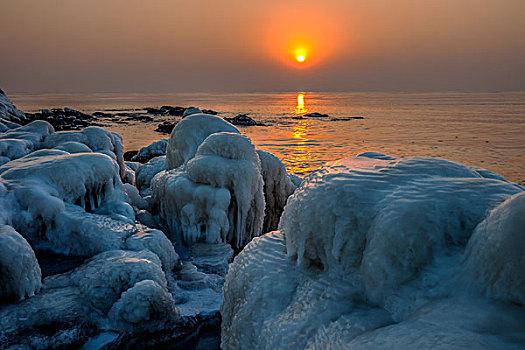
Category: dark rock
[102,115]
[154,111]
[140,117]
[210,111]
[242,119]
[130,154]
[174,111]
[316,115]
[62,119]
[166,127]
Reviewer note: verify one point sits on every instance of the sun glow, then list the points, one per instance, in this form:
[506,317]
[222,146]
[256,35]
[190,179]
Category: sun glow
[300,55]
[298,45]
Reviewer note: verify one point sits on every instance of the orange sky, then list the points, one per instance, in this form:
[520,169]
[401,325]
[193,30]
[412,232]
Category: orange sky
[208,45]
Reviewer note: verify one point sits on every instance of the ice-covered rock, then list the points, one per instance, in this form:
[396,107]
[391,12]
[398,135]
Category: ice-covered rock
[145,306]
[146,172]
[495,252]
[189,134]
[22,140]
[8,111]
[156,242]
[277,188]
[217,196]
[190,110]
[156,149]
[96,138]
[20,275]
[369,253]
[73,147]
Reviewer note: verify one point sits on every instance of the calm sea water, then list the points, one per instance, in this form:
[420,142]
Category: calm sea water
[479,129]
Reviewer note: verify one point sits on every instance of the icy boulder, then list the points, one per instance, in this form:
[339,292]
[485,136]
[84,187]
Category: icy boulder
[495,252]
[69,203]
[20,275]
[8,112]
[95,138]
[22,140]
[156,149]
[146,172]
[369,253]
[277,188]
[147,306]
[217,196]
[189,133]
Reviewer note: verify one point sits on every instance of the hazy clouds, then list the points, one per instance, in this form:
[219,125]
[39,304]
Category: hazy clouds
[209,45]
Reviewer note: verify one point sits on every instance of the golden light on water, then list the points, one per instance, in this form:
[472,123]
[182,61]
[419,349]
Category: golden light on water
[300,108]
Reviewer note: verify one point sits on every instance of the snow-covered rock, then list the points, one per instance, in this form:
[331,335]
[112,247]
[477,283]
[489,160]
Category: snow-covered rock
[8,112]
[96,138]
[217,196]
[189,133]
[277,188]
[495,252]
[370,254]
[22,140]
[146,306]
[156,149]
[20,275]
[146,172]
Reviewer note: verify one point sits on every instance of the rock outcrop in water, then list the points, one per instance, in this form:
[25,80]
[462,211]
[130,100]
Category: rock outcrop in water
[378,252]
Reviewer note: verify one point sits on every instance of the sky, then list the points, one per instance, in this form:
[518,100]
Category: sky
[248,46]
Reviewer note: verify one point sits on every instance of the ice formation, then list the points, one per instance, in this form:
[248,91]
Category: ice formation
[70,197]
[96,138]
[278,186]
[20,274]
[370,253]
[217,195]
[496,273]
[9,114]
[156,149]
[189,133]
[146,172]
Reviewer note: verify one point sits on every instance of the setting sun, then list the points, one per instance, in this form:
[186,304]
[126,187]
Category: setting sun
[300,55]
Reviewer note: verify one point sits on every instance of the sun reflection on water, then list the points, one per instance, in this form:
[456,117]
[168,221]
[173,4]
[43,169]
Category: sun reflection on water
[300,108]
[300,159]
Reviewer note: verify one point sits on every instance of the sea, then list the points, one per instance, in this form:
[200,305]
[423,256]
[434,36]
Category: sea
[478,129]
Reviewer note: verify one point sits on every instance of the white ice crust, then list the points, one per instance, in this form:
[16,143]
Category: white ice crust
[370,253]
[217,195]
[20,275]
[9,113]
[189,133]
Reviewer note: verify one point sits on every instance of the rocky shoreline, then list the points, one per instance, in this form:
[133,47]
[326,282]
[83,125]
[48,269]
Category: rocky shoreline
[201,240]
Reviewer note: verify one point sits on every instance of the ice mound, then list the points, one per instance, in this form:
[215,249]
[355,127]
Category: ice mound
[189,133]
[20,274]
[217,196]
[74,204]
[278,186]
[370,252]
[22,140]
[103,278]
[8,112]
[156,149]
[95,138]
[494,256]
[146,172]
[146,306]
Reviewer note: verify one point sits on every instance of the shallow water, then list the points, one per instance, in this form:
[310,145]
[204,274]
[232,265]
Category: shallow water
[479,129]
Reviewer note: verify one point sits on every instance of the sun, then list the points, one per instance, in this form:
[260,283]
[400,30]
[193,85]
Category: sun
[300,55]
